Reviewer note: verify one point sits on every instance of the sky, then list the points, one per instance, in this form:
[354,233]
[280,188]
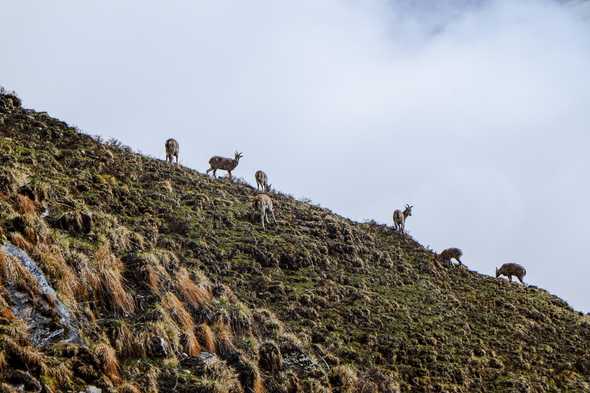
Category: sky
[476,112]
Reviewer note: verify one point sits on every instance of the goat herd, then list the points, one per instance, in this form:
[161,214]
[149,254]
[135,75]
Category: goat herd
[263,203]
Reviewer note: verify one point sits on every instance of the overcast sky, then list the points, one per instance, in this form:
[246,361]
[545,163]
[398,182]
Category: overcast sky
[476,112]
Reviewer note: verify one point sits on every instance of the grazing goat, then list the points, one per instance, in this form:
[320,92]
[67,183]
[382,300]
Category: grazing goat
[262,181]
[399,218]
[450,253]
[225,164]
[511,269]
[171,150]
[263,204]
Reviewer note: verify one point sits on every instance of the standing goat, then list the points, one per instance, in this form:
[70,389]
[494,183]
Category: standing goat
[399,218]
[263,204]
[262,181]
[223,163]
[171,150]
[450,253]
[511,269]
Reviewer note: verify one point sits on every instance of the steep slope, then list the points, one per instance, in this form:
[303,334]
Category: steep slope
[159,266]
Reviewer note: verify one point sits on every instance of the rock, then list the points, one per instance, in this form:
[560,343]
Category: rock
[201,361]
[159,347]
[92,389]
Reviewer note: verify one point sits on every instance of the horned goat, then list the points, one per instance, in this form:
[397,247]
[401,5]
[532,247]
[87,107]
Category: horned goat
[399,218]
[223,163]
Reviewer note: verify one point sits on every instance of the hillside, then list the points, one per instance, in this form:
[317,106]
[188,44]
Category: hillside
[165,282]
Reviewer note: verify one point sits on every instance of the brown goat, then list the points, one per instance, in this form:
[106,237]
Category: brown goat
[223,163]
[263,203]
[262,181]
[399,218]
[172,150]
[450,253]
[511,269]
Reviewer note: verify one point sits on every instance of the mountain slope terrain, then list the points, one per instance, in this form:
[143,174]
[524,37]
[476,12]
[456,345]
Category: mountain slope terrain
[123,273]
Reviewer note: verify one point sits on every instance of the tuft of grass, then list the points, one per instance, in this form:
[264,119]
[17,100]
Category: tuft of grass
[111,288]
[62,373]
[196,295]
[126,342]
[25,205]
[18,240]
[185,323]
[128,388]
[344,378]
[13,272]
[108,361]
[223,339]
[176,309]
[28,355]
[206,337]
[54,264]
[154,275]
[152,376]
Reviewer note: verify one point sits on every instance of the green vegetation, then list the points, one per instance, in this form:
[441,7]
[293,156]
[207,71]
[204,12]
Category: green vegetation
[161,265]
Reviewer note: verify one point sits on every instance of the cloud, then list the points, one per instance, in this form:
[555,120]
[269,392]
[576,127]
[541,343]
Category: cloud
[474,111]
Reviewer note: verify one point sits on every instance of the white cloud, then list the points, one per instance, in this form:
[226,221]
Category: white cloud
[474,111]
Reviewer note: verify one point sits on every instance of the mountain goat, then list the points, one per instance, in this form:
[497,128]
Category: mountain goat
[399,218]
[511,269]
[450,253]
[223,163]
[263,203]
[262,181]
[172,150]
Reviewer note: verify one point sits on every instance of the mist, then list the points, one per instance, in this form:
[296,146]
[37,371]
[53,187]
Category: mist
[475,112]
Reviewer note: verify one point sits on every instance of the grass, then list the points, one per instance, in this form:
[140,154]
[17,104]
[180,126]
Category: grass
[171,256]
[196,295]
[107,359]
[109,282]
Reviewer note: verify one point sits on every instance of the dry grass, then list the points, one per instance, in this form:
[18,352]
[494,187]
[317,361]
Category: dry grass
[154,276]
[206,337]
[61,372]
[196,295]
[3,362]
[64,277]
[184,321]
[176,309]
[18,330]
[18,240]
[126,342]
[107,359]
[13,272]
[165,328]
[28,355]
[191,343]
[25,205]
[128,388]
[152,376]
[111,289]
[223,338]
[344,378]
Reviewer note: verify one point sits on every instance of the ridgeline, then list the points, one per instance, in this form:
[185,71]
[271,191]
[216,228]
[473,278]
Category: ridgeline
[159,278]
